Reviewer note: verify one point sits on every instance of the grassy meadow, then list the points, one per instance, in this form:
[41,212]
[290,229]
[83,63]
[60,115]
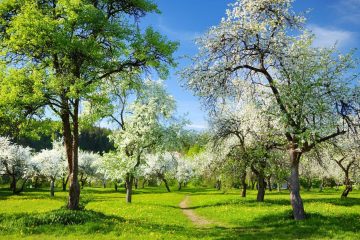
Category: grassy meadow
[155,214]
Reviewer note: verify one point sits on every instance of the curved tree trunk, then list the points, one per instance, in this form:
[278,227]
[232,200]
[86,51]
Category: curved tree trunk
[348,185]
[295,198]
[52,187]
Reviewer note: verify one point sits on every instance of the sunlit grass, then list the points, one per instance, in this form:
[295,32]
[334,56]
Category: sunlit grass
[155,214]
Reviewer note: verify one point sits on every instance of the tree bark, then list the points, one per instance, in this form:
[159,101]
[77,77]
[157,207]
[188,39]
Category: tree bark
[179,186]
[143,183]
[295,198]
[348,185]
[129,182]
[261,187]
[52,187]
[244,185]
[64,183]
[218,185]
[13,184]
[116,187]
[166,185]
[71,139]
[136,181]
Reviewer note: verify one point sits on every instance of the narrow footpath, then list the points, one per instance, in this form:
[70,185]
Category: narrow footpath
[198,221]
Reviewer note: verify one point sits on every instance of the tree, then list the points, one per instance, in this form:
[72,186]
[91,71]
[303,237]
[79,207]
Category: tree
[144,130]
[161,165]
[87,164]
[344,152]
[15,162]
[184,171]
[58,52]
[51,164]
[309,89]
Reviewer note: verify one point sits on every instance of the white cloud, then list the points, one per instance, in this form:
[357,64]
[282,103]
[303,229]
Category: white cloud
[327,37]
[349,10]
[180,35]
[198,126]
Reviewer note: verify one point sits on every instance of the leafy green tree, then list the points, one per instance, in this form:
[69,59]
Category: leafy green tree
[57,52]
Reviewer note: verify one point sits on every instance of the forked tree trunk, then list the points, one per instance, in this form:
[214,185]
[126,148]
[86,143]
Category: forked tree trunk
[295,198]
[52,187]
[348,185]
[129,184]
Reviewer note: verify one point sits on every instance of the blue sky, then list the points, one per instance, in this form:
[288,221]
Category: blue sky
[183,20]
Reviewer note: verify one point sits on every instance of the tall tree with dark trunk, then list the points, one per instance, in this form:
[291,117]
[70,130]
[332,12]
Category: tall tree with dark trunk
[63,50]
[309,89]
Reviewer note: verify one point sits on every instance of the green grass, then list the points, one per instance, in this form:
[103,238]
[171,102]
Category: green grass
[155,214]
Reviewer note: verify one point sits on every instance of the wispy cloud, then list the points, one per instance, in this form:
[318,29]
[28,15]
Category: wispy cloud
[177,34]
[198,126]
[327,37]
[348,10]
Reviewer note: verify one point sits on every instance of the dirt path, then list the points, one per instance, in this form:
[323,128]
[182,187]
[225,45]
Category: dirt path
[196,219]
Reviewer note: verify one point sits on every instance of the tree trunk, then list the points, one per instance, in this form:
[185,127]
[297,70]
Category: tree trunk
[218,185]
[129,182]
[13,184]
[261,187]
[295,198]
[278,186]
[143,183]
[253,184]
[71,139]
[52,187]
[244,185]
[348,186]
[136,181]
[269,183]
[166,184]
[321,185]
[180,186]
[64,183]
[116,187]
[309,184]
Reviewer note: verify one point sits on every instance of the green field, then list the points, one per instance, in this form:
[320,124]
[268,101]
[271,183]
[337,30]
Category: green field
[155,214]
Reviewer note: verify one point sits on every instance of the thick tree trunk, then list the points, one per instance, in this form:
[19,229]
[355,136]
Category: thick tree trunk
[71,139]
[261,187]
[52,187]
[129,182]
[295,198]
[348,186]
